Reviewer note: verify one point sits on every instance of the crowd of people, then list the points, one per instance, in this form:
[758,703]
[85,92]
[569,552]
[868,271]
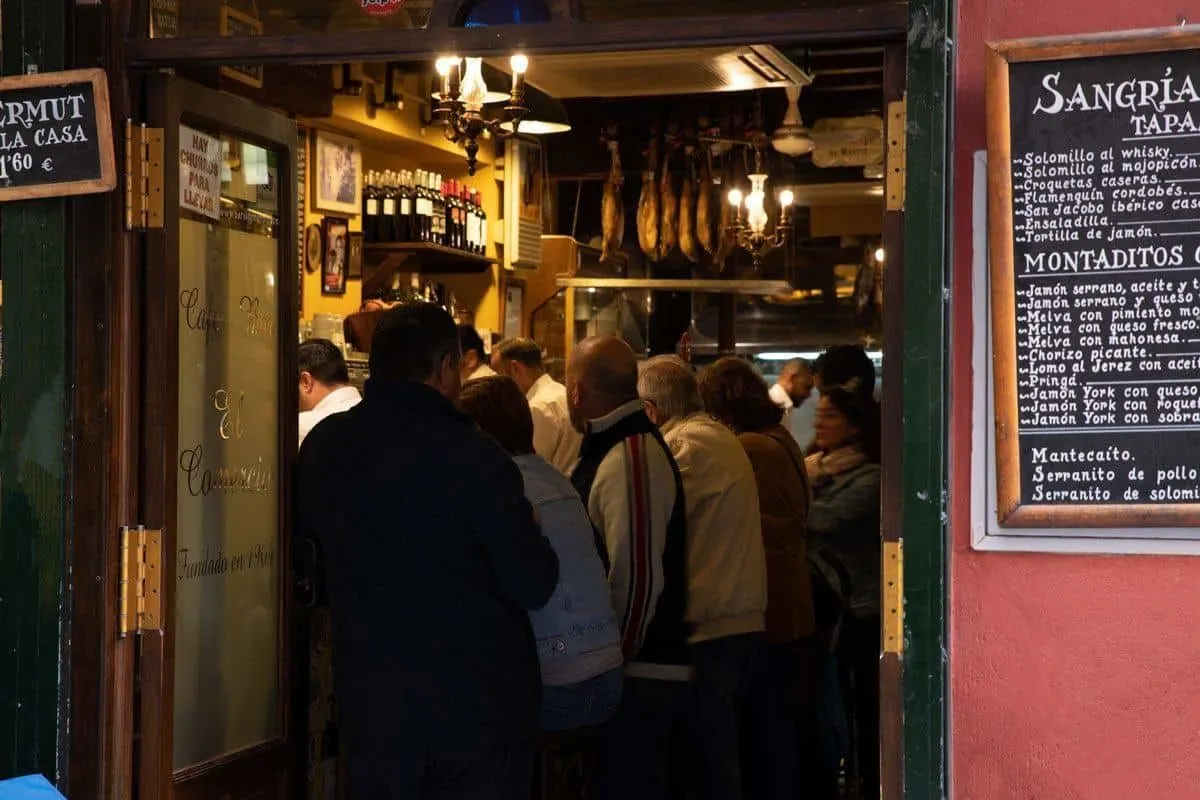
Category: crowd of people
[645,553]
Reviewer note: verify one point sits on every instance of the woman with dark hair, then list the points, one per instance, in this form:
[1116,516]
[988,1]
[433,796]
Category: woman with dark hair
[780,704]
[578,638]
[844,522]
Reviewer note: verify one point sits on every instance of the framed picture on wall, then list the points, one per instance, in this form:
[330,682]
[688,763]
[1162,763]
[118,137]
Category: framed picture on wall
[354,257]
[235,23]
[337,173]
[337,249]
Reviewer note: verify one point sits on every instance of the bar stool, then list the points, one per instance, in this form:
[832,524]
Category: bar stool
[564,764]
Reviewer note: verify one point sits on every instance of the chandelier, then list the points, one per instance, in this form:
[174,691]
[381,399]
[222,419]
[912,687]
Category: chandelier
[463,96]
[749,226]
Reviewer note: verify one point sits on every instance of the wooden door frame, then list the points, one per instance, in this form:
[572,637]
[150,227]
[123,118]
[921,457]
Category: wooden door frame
[170,101]
[100,763]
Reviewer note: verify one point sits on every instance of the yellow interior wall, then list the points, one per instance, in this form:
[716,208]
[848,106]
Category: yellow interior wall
[397,140]
[860,219]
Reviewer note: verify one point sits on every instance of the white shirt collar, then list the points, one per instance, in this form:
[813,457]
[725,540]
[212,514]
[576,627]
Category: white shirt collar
[543,382]
[616,415]
[340,398]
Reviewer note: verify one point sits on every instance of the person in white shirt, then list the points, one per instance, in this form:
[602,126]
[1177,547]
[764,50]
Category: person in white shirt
[474,362]
[794,393]
[554,437]
[324,384]
[726,565]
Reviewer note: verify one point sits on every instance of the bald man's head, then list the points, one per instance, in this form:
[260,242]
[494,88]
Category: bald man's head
[602,375]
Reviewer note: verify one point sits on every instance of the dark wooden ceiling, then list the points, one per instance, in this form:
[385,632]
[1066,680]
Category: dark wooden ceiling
[848,81]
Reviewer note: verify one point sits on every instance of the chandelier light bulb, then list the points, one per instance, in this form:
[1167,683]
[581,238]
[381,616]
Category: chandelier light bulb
[519,64]
[786,198]
[473,92]
[879,254]
[443,65]
[735,197]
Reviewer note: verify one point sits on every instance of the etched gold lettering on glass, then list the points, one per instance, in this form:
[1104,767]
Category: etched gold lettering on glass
[198,317]
[257,323]
[230,408]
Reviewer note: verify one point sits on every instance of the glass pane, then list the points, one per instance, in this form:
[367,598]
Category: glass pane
[624,313]
[227,600]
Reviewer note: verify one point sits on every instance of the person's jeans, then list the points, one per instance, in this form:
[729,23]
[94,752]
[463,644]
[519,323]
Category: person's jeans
[723,671]
[860,641]
[586,704]
[780,730]
[634,747]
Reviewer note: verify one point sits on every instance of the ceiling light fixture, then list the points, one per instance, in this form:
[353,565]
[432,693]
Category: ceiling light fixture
[464,92]
[750,229]
[791,138]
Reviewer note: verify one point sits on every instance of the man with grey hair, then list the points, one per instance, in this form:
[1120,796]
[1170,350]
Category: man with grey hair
[727,571]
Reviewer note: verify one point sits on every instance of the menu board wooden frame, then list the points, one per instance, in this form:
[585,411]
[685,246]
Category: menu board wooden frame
[107,181]
[1003,282]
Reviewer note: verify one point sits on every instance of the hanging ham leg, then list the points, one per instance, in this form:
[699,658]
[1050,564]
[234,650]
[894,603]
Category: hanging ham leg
[647,213]
[668,232]
[612,209]
[687,212]
[704,209]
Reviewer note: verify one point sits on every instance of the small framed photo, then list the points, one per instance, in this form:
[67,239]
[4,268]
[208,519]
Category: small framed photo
[337,250]
[354,259]
[337,167]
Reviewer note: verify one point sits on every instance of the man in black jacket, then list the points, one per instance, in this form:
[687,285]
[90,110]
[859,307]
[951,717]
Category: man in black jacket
[436,673]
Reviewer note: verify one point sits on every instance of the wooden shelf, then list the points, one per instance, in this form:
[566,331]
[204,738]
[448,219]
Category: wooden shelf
[702,285]
[382,261]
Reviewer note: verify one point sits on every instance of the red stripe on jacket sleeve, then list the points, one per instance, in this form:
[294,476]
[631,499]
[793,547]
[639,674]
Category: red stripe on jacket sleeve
[641,573]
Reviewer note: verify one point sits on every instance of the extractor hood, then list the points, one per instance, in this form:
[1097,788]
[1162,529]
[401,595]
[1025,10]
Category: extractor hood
[692,70]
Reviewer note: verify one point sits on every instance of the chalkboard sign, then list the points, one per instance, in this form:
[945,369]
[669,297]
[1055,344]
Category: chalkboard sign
[55,135]
[1094,246]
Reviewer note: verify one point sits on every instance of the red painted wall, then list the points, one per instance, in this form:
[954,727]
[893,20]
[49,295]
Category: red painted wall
[1072,677]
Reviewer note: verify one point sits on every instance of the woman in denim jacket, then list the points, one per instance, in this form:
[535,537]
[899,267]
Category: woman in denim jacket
[578,639]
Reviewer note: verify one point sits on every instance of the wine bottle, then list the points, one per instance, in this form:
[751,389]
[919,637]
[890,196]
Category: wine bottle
[403,207]
[483,225]
[439,209]
[387,214]
[370,202]
[421,207]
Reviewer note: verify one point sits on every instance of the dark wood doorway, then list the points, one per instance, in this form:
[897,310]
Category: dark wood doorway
[217,437]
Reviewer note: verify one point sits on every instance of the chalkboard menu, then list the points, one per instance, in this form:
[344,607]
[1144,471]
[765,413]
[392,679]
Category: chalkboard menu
[1094,244]
[55,135]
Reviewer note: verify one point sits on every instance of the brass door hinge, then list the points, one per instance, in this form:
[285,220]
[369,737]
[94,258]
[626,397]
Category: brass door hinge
[143,177]
[897,153]
[140,607]
[893,597]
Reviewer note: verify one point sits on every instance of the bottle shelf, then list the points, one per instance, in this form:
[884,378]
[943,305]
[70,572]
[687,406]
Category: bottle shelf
[383,260]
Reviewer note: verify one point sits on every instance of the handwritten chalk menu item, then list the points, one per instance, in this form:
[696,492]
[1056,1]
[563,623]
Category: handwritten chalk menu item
[1094,242]
[55,135]
[199,172]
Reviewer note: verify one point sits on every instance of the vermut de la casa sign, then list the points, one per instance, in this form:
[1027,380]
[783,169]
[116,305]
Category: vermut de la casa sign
[1094,243]
[55,135]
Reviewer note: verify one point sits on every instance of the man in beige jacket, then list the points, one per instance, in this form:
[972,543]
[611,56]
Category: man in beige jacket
[727,573]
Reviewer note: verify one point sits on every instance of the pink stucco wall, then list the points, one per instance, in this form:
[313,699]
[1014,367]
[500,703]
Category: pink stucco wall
[1072,677]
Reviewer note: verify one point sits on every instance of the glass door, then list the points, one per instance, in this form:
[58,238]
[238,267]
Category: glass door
[219,436]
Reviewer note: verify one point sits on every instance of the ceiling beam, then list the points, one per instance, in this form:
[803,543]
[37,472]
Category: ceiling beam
[871,21]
